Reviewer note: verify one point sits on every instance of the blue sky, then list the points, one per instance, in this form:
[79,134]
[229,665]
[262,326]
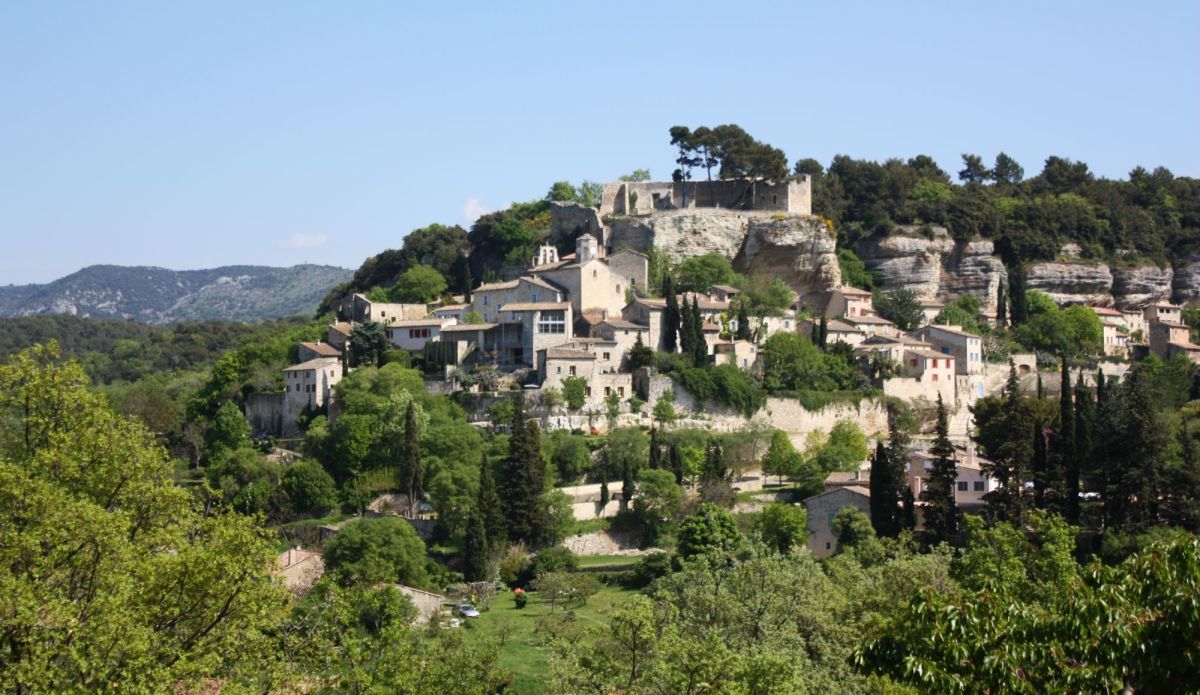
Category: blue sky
[202,134]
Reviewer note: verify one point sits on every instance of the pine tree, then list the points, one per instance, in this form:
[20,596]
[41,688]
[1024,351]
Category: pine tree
[1068,463]
[490,510]
[412,459]
[941,510]
[476,551]
[670,316]
[699,344]
[1000,306]
[743,320]
[524,481]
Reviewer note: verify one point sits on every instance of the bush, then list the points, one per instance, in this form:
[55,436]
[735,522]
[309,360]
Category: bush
[724,384]
[574,391]
[651,567]
[554,559]
[309,489]
[711,528]
[514,567]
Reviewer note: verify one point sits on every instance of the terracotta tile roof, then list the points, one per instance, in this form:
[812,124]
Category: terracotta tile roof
[468,327]
[535,306]
[323,349]
[343,327]
[318,363]
[568,354]
[852,291]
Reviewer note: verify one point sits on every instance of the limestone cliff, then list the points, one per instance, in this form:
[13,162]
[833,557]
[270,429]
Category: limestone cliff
[1186,283]
[933,265]
[1072,283]
[1137,287]
[798,249]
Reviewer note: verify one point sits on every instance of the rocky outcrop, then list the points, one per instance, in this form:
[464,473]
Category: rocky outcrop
[1136,287]
[569,221]
[798,249]
[1186,283]
[1071,283]
[933,265]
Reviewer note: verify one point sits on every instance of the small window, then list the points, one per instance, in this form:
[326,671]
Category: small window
[827,546]
[572,368]
[607,391]
[935,377]
[533,297]
[485,300]
[559,370]
[978,486]
[962,486]
[606,356]
[621,391]
[593,273]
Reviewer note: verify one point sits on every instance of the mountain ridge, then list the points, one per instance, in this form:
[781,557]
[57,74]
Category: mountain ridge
[151,294]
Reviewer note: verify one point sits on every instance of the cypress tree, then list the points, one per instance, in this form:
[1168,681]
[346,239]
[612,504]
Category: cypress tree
[1000,306]
[941,511]
[888,480]
[655,462]
[1039,466]
[686,332]
[676,463]
[605,495]
[670,316]
[1139,453]
[743,329]
[1012,389]
[714,463]
[412,458]
[1068,465]
[1101,387]
[699,344]
[1041,392]
[627,484]
[476,552]
[1016,295]
[1085,416]
[815,336]
[488,503]
[525,481]
[823,337]
[909,519]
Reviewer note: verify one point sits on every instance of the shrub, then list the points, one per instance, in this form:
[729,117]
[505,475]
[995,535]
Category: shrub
[574,390]
[309,489]
[554,559]
[651,567]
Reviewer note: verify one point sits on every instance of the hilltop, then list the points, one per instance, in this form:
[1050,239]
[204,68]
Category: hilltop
[159,295]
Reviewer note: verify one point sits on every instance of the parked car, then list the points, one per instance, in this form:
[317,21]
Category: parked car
[466,610]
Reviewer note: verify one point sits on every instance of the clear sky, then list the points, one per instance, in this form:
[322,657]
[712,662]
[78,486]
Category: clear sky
[191,135]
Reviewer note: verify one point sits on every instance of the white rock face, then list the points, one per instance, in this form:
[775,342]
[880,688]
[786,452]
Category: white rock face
[933,265]
[1072,283]
[798,249]
[1186,282]
[1134,288]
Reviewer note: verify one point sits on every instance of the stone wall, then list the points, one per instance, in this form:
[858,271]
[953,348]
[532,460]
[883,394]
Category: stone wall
[265,413]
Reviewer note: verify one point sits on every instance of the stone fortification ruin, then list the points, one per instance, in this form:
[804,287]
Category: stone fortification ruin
[646,197]
[763,227]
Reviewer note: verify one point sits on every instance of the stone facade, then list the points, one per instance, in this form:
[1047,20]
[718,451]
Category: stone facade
[308,385]
[822,508]
[646,197]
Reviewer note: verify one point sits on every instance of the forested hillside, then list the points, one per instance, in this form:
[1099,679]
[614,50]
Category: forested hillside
[158,295]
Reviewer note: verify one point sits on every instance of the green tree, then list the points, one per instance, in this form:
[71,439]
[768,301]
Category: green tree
[845,448]
[488,504]
[973,170]
[309,489]
[419,284]
[411,459]
[782,459]
[743,323]
[664,409]
[710,529]
[523,482]
[368,342]
[574,390]
[1006,170]
[783,526]
[888,480]
[941,510]
[700,273]
[640,355]
[672,319]
[1068,460]
[902,307]
[229,431]
[658,500]
[111,573]
[476,550]
[381,549]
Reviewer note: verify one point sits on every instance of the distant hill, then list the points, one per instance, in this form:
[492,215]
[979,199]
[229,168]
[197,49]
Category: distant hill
[159,295]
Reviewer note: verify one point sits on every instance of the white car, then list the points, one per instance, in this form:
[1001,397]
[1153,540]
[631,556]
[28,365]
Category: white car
[466,610]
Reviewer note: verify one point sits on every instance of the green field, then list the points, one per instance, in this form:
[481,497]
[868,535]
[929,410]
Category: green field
[524,651]
[591,562]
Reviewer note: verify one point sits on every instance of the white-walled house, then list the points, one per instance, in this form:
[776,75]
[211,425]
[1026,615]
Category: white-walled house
[308,385]
[972,484]
[412,335]
[849,302]
[966,348]
[822,508]
[740,353]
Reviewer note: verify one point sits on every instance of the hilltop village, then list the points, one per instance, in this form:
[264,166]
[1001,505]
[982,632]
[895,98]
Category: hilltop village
[576,334]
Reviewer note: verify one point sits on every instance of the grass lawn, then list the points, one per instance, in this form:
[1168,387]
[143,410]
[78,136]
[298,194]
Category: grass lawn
[523,653]
[606,561]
